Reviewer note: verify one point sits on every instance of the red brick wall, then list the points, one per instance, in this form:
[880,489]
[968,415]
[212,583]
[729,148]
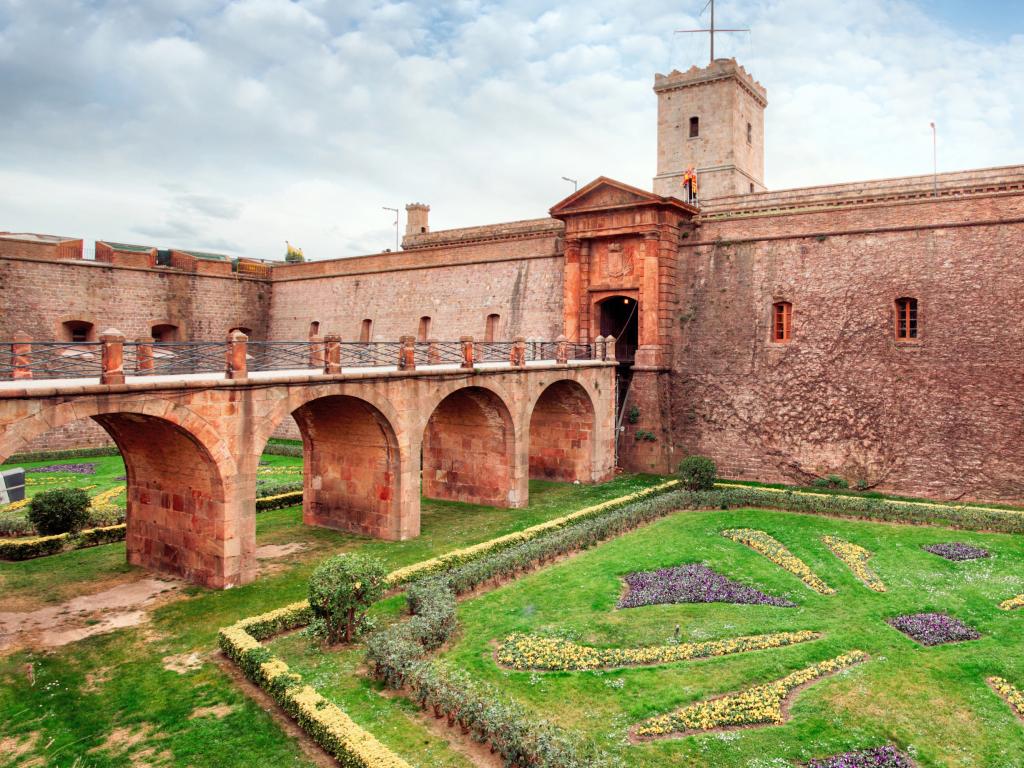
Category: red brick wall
[37,296]
[467,450]
[940,417]
[561,434]
[41,249]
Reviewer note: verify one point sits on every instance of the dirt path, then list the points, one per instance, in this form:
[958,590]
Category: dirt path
[126,605]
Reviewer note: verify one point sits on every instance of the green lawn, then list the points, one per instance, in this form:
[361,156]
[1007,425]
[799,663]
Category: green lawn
[109,701]
[933,702]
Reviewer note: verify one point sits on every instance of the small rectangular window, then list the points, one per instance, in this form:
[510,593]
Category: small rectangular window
[366,331]
[782,322]
[424,330]
[491,329]
[750,134]
[694,127]
[906,318]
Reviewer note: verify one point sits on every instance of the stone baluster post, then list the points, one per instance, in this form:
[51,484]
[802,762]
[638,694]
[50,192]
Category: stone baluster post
[518,355]
[609,348]
[237,364]
[561,350]
[111,357]
[316,352]
[332,353]
[407,353]
[599,348]
[21,356]
[467,351]
[144,355]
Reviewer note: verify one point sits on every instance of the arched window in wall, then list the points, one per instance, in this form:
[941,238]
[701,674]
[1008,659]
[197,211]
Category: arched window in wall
[782,322]
[907,322]
[424,330]
[314,328]
[77,330]
[491,328]
[366,331]
[164,332]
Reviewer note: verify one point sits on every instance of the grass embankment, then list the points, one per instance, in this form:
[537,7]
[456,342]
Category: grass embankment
[106,700]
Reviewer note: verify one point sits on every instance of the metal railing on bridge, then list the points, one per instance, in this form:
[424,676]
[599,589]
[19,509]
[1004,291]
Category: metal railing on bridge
[112,358]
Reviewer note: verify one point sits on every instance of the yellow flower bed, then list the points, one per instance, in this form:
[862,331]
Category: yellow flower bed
[107,497]
[1010,693]
[458,556]
[556,655]
[760,705]
[14,506]
[856,559]
[1012,603]
[763,544]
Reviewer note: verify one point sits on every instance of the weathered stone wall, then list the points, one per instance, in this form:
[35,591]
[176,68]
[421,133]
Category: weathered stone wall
[453,278]
[942,416]
[37,296]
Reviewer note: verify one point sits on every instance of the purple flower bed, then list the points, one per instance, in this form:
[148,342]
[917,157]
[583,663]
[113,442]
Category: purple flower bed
[691,584]
[956,550]
[934,628]
[78,469]
[879,757]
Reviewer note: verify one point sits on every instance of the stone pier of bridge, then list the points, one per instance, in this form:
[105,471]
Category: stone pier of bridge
[373,442]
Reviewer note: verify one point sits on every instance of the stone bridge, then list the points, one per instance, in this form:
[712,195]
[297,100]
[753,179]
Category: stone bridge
[374,440]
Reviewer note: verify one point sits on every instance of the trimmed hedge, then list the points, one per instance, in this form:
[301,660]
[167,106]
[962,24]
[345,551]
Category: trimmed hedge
[294,451]
[323,720]
[31,547]
[279,501]
[74,453]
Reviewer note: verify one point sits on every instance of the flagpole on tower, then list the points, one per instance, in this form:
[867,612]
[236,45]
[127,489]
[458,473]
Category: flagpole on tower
[712,30]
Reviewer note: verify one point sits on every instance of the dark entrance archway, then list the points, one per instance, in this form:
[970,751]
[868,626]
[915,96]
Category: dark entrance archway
[618,317]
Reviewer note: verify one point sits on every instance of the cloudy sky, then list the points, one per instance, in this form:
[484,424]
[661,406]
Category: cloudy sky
[235,125]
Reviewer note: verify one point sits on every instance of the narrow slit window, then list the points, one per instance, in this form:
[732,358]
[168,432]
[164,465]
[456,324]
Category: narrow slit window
[782,321]
[366,331]
[906,318]
[424,331]
[694,127]
[750,134]
[491,329]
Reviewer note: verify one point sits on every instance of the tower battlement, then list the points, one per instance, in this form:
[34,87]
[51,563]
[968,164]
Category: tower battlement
[711,119]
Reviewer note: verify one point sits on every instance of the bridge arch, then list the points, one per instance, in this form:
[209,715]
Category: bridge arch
[352,466]
[183,515]
[563,439]
[469,450]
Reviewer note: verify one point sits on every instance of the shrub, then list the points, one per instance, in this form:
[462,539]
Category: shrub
[62,510]
[835,482]
[341,589]
[697,473]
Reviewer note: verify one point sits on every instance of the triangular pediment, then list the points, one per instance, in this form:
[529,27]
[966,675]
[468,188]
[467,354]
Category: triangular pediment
[602,193]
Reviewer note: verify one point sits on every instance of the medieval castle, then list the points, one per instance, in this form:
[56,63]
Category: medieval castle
[873,330]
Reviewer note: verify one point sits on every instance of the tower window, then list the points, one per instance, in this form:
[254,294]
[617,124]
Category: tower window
[751,187]
[750,134]
[366,331]
[424,331]
[491,329]
[782,321]
[694,127]
[314,328]
[164,332]
[906,318]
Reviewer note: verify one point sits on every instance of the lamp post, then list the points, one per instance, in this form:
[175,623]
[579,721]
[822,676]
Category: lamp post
[394,211]
[575,183]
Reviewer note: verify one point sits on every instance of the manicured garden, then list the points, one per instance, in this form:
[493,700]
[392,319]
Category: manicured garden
[112,700]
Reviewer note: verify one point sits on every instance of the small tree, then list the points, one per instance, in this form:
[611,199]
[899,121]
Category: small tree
[62,510]
[697,473]
[341,589]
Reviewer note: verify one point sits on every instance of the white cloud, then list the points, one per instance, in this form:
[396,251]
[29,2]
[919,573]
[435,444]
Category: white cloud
[248,122]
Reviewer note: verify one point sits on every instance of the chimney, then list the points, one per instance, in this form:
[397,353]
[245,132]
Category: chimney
[416,219]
